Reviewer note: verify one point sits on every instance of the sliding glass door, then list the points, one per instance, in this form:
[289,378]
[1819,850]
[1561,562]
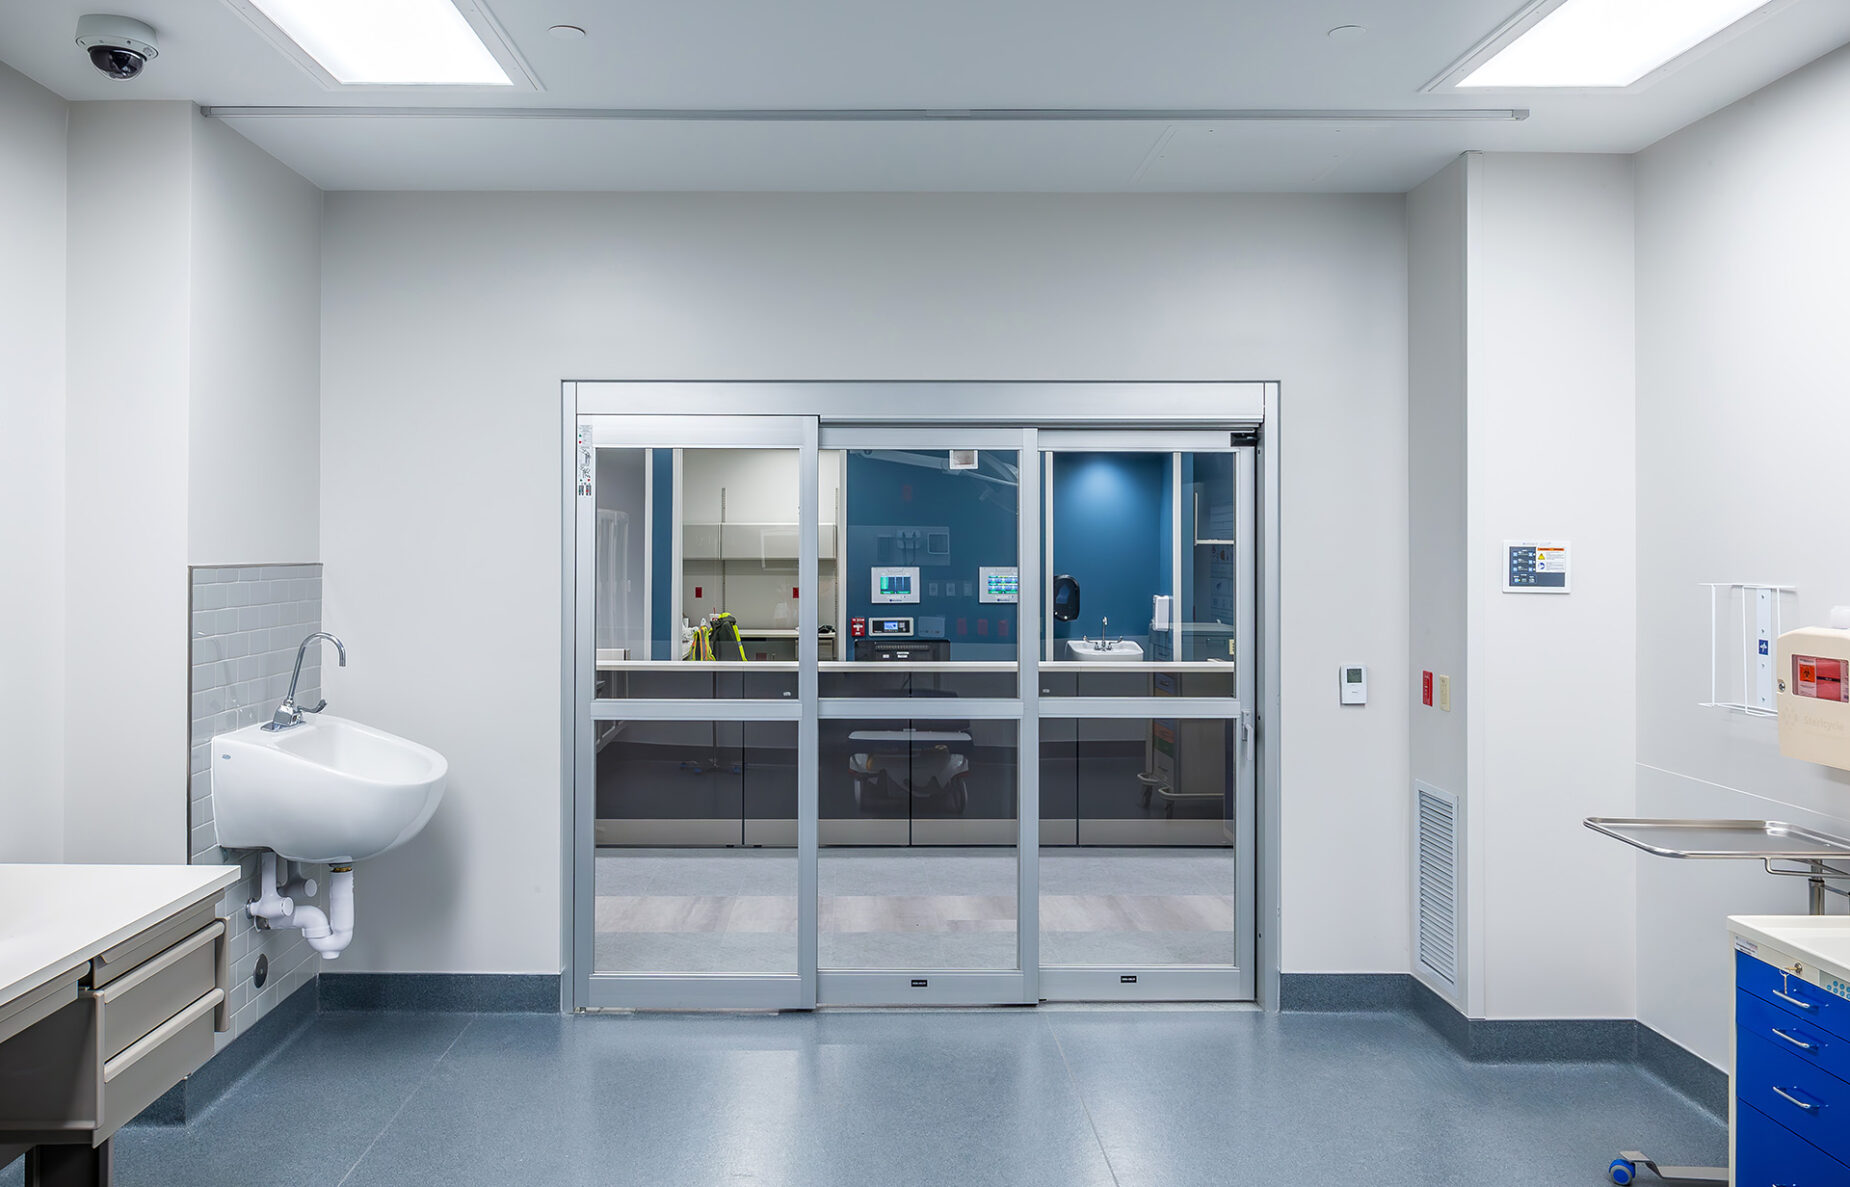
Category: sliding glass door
[698,582]
[1147,779]
[926,752]
[924,714]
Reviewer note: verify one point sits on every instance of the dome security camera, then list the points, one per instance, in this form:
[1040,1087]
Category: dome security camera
[119,46]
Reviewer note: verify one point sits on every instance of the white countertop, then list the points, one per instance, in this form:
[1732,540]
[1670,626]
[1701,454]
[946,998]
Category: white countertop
[1824,940]
[54,917]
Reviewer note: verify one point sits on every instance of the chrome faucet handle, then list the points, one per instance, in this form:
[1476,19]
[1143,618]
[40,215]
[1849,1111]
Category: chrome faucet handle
[289,713]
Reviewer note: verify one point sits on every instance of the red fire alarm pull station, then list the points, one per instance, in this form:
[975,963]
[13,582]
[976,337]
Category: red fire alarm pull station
[1426,689]
[857,628]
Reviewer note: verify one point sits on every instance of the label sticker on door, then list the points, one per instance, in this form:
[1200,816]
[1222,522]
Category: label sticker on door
[1821,678]
[587,460]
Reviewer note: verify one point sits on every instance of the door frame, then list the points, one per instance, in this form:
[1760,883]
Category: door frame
[1248,410]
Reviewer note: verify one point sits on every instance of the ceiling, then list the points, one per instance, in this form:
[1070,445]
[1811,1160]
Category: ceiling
[945,54]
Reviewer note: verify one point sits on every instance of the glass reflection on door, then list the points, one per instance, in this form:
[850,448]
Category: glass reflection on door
[1138,831]
[1144,557]
[919,823]
[679,887]
[696,584]
[930,571]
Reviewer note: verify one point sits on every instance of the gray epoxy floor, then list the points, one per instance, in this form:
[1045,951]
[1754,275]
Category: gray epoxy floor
[1060,1097]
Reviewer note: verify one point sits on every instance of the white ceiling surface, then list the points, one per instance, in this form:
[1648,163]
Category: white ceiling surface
[954,54]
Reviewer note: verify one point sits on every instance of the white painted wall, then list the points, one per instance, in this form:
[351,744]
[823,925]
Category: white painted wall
[32,318]
[1550,432]
[193,401]
[126,490]
[255,307]
[1436,496]
[449,321]
[1742,365]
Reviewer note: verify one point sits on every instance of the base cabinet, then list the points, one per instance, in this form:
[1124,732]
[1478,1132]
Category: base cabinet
[81,1057]
[1791,1113]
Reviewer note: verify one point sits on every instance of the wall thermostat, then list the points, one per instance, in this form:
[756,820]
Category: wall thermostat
[1536,566]
[998,584]
[892,585]
[889,628]
[1352,680]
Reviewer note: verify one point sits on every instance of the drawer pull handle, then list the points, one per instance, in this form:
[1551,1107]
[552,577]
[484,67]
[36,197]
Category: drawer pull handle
[134,1052]
[1801,1044]
[148,970]
[1803,1104]
[1799,1002]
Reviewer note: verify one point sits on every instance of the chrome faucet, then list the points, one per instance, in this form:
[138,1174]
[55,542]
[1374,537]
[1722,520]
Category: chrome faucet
[288,713]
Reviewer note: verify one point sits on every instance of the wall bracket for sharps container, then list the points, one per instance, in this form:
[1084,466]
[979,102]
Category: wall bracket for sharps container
[1813,675]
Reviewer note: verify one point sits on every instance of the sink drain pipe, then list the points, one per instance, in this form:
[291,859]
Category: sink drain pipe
[327,932]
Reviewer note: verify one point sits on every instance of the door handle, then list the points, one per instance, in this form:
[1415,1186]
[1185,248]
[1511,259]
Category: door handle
[1803,1104]
[1801,1044]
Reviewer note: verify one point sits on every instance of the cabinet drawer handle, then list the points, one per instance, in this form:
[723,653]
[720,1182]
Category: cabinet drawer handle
[1799,1002]
[1803,1104]
[1801,1044]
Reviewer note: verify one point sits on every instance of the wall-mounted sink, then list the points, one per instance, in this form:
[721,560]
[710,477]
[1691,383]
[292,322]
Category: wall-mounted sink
[1117,651]
[326,790]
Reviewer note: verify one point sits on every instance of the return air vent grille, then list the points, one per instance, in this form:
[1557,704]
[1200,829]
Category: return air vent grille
[1436,860]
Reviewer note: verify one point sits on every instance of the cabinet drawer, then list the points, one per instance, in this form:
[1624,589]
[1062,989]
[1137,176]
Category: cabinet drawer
[154,991]
[1800,1096]
[156,1062]
[1791,993]
[119,960]
[1767,1154]
[1788,1029]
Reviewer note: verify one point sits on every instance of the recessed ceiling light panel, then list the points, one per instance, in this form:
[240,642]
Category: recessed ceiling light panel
[1606,43]
[388,42]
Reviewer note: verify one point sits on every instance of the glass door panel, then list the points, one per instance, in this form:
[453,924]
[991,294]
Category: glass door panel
[696,586]
[1145,873]
[1143,552]
[1146,781]
[920,787]
[679,888]
[930,571]
[918,853]
[699,584]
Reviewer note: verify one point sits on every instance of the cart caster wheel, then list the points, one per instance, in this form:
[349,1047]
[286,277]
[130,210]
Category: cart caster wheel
[1622,1172]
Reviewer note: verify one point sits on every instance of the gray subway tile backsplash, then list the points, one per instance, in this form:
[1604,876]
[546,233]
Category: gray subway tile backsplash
[246,623]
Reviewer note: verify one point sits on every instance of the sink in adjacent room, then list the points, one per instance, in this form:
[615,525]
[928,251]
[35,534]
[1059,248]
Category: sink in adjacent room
[1100,651]
[326,790]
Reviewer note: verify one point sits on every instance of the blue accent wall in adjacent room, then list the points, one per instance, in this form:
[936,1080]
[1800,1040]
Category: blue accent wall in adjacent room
[664,613]
[884,492]
[1111,529]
